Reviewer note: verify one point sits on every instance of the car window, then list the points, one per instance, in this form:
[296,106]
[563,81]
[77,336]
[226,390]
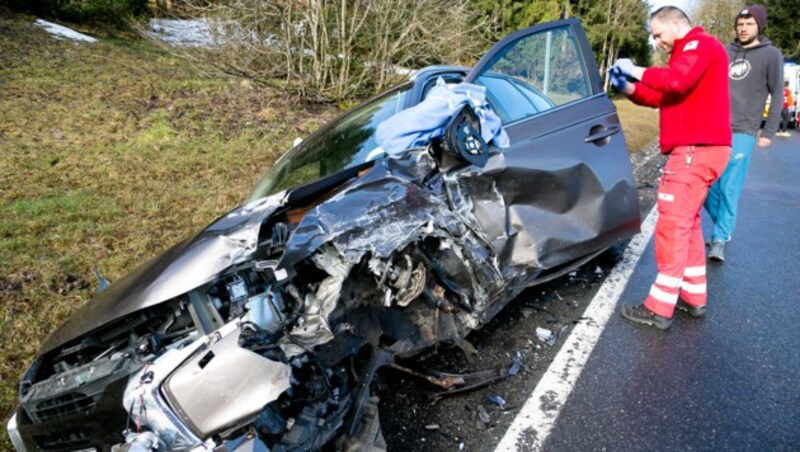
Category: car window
[449,79]
[535,73]
[342,144]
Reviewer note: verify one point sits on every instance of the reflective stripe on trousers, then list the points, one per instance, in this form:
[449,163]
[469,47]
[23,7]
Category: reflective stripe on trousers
[680,252]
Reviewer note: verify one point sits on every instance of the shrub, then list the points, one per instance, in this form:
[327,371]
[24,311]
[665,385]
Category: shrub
[104,14]
[334,50]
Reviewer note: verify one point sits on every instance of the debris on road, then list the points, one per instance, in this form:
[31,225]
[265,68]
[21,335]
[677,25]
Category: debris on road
[546,336]
[483,417]
[516,365]
[497,400]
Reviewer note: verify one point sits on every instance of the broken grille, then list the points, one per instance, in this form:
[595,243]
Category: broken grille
[72,438]
[60,406]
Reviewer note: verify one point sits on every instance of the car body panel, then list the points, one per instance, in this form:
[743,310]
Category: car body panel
[563,195]
[187,265]
[223,383]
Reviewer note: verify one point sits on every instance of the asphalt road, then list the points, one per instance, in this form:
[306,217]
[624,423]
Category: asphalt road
[725,382]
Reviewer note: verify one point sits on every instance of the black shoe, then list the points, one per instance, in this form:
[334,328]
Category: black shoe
[694,311]
[638,313]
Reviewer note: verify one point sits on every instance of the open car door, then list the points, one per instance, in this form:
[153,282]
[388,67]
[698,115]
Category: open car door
[565,187]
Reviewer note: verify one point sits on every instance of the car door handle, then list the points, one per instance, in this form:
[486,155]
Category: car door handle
[601,134]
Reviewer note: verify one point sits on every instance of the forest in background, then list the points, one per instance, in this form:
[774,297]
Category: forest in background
[341,51]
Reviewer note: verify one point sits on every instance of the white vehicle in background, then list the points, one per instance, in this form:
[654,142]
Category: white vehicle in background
[791,73]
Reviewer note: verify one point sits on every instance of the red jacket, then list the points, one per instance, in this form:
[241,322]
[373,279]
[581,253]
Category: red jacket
[692,93]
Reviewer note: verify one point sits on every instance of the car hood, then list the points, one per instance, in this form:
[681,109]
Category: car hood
[191,263]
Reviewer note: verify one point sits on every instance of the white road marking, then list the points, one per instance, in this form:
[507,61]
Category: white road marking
[538,416]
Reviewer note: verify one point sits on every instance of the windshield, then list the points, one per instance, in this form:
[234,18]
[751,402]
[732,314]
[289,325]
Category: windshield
[342,144]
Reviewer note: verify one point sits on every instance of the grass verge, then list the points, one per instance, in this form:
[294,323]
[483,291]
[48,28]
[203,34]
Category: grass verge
[640,124]
[112,152]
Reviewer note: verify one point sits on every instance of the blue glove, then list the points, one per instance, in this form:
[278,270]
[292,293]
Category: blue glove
[617,79]
[625,65]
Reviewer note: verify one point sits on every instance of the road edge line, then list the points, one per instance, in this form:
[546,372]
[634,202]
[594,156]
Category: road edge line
[538,416]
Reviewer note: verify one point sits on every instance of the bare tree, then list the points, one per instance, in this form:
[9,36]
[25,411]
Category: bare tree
[611,25]
[717,17]
[330,50]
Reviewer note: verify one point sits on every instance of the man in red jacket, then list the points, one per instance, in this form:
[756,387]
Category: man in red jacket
[692,95]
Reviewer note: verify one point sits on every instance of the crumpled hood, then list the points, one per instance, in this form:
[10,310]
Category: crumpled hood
[191,263]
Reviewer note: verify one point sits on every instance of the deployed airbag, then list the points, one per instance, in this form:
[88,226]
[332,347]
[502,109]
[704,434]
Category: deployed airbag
[418,125]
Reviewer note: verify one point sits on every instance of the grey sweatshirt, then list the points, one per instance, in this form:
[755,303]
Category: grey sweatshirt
[753,73]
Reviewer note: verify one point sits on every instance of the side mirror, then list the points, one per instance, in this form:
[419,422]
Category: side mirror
[462,141]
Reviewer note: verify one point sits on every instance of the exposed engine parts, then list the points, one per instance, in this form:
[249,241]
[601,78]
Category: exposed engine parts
[401,280]
[306,345]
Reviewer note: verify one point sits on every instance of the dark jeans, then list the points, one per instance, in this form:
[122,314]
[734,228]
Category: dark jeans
[784,119]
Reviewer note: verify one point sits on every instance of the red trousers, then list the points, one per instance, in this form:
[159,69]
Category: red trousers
[680,252]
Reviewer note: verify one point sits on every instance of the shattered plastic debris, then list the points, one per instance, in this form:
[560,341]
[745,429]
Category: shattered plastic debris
[483,416]
[497,400]
[546,336]
[516,365]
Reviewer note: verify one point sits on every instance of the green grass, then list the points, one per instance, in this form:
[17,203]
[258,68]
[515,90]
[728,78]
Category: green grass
[109,154]
[640,124]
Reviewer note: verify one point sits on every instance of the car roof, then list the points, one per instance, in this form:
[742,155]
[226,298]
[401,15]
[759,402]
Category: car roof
[438,68]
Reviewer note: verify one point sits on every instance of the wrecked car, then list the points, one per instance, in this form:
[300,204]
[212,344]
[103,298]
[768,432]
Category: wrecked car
[266,329]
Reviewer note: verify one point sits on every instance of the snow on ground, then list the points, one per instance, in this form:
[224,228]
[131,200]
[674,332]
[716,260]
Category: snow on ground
[198,33]
[59,31]
[189,33]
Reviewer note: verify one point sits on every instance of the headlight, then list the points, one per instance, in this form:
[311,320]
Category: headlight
[13,433]
[148,409]
[192,392]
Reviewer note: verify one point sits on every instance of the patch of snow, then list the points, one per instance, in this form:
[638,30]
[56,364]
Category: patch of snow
[60,31]
[198,33]
[189,33]
[399,70]
[403,71]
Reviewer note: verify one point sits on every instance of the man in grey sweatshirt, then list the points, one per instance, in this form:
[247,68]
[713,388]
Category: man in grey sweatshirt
[755,70]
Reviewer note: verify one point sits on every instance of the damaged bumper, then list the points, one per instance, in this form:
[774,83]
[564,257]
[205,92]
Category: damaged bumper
[198,389]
